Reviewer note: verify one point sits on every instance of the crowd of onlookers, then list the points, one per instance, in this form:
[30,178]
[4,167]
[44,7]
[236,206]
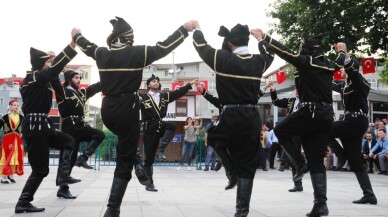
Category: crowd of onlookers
[374,154]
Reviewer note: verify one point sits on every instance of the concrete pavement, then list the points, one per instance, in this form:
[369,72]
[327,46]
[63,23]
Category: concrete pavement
[195,194]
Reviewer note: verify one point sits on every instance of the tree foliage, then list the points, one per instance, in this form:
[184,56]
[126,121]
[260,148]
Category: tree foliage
[384,73]
[361,24]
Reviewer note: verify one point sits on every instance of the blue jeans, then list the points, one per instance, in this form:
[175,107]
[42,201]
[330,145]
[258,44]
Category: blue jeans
[210,157]
[187,147]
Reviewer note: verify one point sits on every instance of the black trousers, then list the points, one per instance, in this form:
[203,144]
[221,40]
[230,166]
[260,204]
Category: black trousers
[120,115]
[82,134]
[39,153]
[314,133]
[152,134]
[275,148]
[350,131]
[239,130]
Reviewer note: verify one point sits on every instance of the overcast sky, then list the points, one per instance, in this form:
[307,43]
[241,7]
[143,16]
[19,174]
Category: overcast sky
[46,25]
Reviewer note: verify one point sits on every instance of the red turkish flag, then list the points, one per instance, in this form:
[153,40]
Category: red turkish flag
[280,77]
[2,80]
[177,85]
[83,86]
[368,65]
[205,85]
[337,75]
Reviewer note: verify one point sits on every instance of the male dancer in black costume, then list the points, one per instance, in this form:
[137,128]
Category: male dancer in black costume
[314,118]
[238,75]
[38,129]
[153,109]
[292,105]
[71,104]
[121,69]
[352,128]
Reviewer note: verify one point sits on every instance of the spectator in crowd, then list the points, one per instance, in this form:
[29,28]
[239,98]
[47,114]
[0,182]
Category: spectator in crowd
[274,149]
[382,156]
[211,155]
[368,145]
[189,140]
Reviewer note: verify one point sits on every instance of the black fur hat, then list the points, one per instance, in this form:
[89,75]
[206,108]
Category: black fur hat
[122,32]
[38,58]
[69,74]
[312,45]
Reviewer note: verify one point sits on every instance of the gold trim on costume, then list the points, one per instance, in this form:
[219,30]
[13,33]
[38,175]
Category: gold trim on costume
[238,76]
[120,70]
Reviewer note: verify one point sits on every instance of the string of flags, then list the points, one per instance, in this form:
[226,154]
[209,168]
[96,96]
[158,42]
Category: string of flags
[368,65]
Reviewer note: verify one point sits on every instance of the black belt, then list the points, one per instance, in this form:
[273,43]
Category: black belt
[120,94]
[356,114]
[37,114]
[77,117]
[240,106]
[301,104]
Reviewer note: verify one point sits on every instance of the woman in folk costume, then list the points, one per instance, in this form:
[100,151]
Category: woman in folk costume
[12,151]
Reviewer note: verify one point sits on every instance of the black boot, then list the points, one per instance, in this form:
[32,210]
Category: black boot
[63,176]
[218,165]
[141,174]
[244,191]
[369,196]
[119,186]
[63,192]
[88,152]
[23,204]
[297,159]
[150,171]
[339,152]
[319,184]
[297,184]
[226,161]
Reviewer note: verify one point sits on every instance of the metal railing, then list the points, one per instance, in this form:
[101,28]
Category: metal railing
[106,155]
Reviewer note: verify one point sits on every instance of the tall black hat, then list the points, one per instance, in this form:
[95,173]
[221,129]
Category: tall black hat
[312,45]
[238,35]
[122,32]
[69,74]
[38,58]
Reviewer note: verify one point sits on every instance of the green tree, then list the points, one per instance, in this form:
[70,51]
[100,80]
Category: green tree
[99,124]
[361,24]
[384,73]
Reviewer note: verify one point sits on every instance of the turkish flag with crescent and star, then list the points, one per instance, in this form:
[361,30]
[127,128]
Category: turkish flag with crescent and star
[368,65]
[177,85]
[205,84]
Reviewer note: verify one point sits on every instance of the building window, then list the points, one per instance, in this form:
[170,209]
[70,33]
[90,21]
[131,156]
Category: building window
[181,107]
[166,73]
[372,82]
[212,85]
[1,101]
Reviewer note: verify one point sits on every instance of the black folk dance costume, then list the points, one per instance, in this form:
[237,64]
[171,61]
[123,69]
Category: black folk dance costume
[314,118]
[352,128]
[38,129]
[292,105]
[168,136]
[152,113]
[71,105]
[238,85]
[121,70]
[221,149]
